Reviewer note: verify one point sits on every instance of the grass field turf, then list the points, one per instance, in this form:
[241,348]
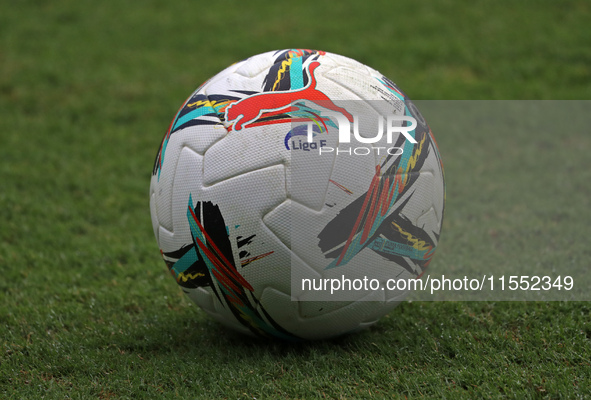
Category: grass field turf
[87,309]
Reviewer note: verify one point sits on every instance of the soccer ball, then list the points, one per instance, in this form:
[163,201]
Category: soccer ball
[279,210]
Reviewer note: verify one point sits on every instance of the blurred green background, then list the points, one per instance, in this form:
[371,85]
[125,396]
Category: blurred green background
[87,309]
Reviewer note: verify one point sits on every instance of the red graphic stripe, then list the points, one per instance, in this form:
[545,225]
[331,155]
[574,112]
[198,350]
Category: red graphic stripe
[371,216]
[233,273]
[374,182]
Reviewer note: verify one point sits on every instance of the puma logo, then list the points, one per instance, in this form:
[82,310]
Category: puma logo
[249,109]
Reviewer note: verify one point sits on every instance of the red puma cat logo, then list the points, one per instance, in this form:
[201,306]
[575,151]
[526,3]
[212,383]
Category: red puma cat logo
[249,109]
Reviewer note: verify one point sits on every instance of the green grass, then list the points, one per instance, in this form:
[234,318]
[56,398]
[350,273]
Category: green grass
[87,309]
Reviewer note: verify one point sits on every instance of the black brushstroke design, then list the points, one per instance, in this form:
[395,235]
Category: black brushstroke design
[243,242]
[336,232]
[284,82]
[237,294]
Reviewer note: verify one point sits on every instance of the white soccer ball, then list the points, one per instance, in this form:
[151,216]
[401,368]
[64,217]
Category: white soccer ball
[289,174]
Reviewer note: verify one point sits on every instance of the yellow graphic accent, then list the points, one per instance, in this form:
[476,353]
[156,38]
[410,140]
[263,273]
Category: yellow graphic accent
[217,106]
[416,242]
[200,103]
[281,72]
[184,276]
[412,161]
